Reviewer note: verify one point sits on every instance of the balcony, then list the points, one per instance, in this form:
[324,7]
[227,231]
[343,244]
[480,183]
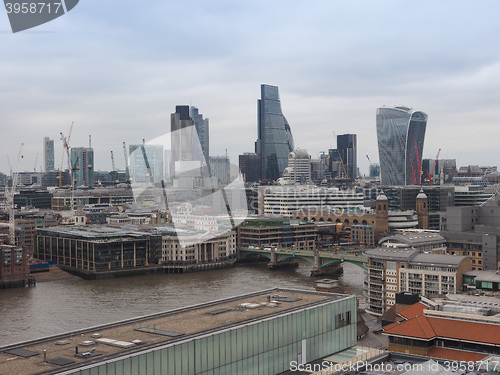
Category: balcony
[376,282]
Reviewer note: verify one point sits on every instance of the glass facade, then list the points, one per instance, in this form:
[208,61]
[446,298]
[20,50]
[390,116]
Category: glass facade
[82,166]
[264,347]
[399,129]
[347,147]
[275,140]
[202,128]
[48,154]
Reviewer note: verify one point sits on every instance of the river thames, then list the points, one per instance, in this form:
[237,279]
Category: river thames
[71,303]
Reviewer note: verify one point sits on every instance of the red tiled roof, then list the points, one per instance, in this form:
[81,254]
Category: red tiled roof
[424,327]
[413,310]
[417,327]
[455,355]
[463,330]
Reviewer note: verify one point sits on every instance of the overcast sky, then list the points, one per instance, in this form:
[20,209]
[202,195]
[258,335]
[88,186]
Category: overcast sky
[119,68]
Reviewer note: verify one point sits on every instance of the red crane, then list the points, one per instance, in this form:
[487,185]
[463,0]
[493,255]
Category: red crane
[419,166]
[412,170]
[434,167]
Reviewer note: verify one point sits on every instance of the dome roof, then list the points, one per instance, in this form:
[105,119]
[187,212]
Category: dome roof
[298,154]
[421,195]
[381,197]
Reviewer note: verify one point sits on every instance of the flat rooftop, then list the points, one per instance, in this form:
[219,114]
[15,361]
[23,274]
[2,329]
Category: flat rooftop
[105,342]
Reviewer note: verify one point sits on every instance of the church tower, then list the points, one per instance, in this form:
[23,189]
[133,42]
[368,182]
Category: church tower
[382,216]
[422,208]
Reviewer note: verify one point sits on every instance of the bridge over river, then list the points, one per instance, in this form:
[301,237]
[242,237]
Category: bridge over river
[318,258]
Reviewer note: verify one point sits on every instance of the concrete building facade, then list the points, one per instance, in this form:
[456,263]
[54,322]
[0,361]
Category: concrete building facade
[411,263]
[475,231]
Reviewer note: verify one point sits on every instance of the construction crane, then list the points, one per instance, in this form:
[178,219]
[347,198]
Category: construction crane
[340,156]
[433,168]
[9,197]
[412,171]
[10,166]
[65,141]
[151,176]
[36,160]
[113,161]
[127,171]
[419,166]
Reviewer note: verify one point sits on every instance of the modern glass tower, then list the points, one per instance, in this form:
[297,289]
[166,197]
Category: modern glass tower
[348,149]
[82,166]
[202,127]
[400,133]
[48,154]
[275,140]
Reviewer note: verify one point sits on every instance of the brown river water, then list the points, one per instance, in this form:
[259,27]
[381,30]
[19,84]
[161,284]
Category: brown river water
[62,304]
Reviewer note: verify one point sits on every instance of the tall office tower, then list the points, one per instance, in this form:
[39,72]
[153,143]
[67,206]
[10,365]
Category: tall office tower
[249,164]
[48,154]
[140,157]
[348,150]
[299,168]
[399,129]
[185,143]
[275,140]
[220,168]
[202,128]
[82,166]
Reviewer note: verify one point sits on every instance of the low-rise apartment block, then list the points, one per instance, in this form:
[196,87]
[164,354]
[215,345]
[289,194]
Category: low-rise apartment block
[412,263]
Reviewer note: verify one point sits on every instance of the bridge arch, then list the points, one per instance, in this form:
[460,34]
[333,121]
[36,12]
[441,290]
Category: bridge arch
[296,256]
[356,263]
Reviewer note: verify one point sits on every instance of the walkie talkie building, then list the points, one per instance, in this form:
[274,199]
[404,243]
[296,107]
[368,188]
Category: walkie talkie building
[400,135]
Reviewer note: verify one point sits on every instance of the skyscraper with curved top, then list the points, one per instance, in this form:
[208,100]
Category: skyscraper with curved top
[275,139]
[398,130]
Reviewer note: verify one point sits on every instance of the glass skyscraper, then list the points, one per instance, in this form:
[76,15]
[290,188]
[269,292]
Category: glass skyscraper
[399,129]
[202,127]
[48,154]
[275,140]
[348,149]
[82,166]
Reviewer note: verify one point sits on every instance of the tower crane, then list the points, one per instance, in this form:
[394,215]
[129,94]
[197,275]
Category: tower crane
[113,161]
[434,167]
[419,166]
[65,141]
[36,160]
[9,197]
[340,156]
[127,171]
[412,170]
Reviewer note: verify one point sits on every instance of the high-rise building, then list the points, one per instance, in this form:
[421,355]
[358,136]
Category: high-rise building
[82,166]
[139,155]
[400,134]
[249,164]
[220,167]
[202,128]
[275,140]
[347,148]
[48,154]
[299,168]
[182,147]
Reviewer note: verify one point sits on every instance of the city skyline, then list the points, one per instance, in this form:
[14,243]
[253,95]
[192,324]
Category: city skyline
[108,75]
